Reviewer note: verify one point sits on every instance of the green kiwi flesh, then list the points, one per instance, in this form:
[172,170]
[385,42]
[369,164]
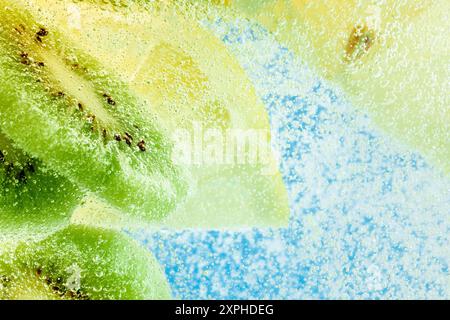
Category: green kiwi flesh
[34,201]
[81,120]
[82,263]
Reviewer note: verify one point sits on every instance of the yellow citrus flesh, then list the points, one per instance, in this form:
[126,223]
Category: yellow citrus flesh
[391,57]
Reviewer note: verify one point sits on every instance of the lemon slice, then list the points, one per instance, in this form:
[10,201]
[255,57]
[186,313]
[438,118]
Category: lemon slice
[391,57]
[196,90]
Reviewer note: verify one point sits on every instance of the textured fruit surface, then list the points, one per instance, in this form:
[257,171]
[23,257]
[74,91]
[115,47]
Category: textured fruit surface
[81,263]
[188,76]
[80,119]
[391,58]
[34,201]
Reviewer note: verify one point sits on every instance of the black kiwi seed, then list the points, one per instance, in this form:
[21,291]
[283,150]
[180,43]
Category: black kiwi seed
[2,156]
[4,280]
[41,64]
[90,118]
[21,176]
[117,137]
[128,138]
[42,32]
[9,169]
[141,145]
[360,41]
[82,296]
[25,59]
[30,167]
[109,99]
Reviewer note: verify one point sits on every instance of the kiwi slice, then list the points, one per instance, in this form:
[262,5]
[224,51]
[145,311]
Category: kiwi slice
[82,263]
[34,200]
[80,119]
[188,75]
